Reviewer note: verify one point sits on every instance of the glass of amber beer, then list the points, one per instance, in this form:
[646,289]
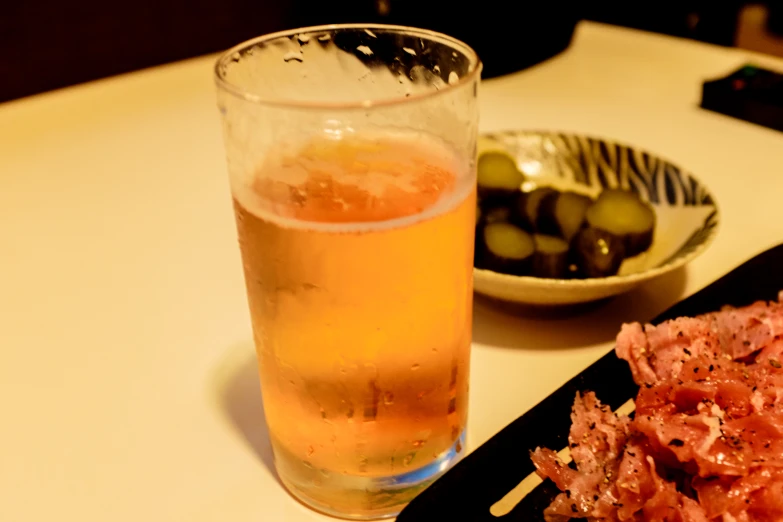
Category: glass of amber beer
[351,154]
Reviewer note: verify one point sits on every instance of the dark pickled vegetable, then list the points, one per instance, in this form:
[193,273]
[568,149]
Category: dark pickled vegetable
[551,257]
[529,206]
[506,248]
[563,214]
[624,215]
[598,253]
[497,215]
[498,177]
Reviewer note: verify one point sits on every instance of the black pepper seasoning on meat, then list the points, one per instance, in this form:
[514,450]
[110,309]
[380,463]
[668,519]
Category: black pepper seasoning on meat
[711,367]
[774,363]
[687,351]
[573,508]
[568,493]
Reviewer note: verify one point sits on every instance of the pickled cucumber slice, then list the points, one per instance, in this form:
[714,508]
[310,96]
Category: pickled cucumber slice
[551,257]
[624,215]
[563,214]
[507,249]
[498,176]
[497,215]
[598,253]
[529,206]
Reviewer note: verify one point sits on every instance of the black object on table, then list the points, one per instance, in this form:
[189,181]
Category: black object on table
[467,491]
[749,93]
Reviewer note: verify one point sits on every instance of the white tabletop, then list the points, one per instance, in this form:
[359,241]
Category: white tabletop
[127,380]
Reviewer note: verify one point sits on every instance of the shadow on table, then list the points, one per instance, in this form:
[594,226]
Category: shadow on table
[513,326]
[239,396]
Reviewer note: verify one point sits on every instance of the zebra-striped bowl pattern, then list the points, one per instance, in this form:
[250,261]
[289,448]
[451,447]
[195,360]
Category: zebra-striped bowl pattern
[686,213]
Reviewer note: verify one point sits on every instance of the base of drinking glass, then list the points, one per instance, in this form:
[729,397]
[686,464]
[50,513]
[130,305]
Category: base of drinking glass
[361,498]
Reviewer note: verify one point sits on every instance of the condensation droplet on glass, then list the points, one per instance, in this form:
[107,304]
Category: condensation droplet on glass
[436,69]
[364,50]
[453,78]
[307,465]
[419,443]
[406,461]
[415,367]
[324,38]
[454,54]
[409,51]
[388,398]
[236,57]
[370,33]
[323,413]
[310,451]
[325,473]
[303,38]
[293,56]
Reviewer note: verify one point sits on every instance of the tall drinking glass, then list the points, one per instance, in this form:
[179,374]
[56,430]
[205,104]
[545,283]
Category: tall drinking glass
[351,153]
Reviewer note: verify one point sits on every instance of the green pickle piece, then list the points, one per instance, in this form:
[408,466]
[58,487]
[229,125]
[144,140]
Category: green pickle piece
[507,249]
[497,175]
[598,253]
[625,215]
[551,257]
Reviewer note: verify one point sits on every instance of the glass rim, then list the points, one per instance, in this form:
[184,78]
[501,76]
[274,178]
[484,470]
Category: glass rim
[474,70]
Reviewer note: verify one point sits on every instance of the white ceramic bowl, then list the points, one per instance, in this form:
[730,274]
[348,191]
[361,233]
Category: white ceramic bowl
[686,214]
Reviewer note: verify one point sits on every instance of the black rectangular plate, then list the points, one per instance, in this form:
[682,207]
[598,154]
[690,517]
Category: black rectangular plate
[469,489]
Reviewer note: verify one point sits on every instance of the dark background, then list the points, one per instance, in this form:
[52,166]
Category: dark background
[49,44]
